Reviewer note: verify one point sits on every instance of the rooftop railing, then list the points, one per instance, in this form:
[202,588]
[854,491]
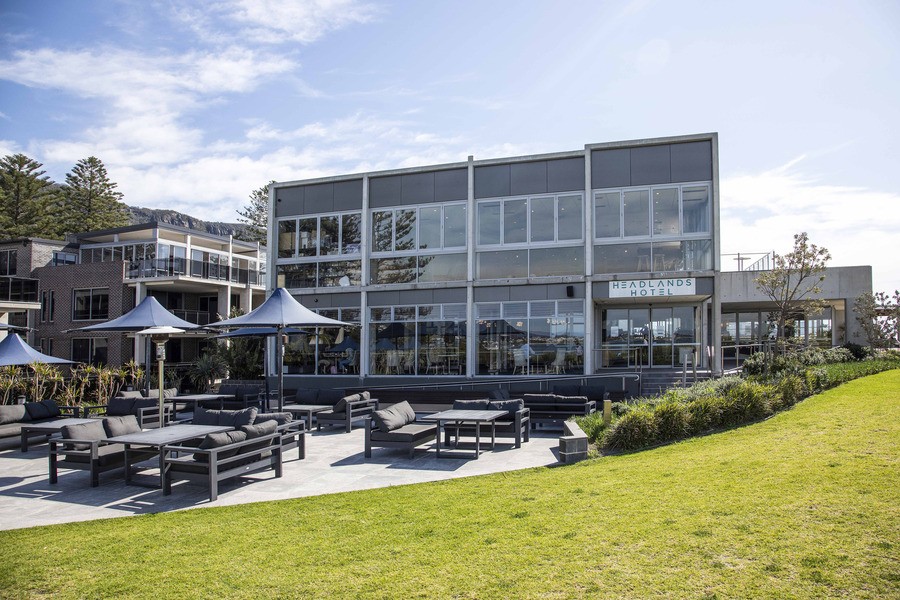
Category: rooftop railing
[748,261]
[181,267]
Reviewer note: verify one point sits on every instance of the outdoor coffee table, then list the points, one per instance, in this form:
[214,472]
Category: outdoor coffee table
[195,399]
[477,417]
[158,438]
[48,428]
[306,410]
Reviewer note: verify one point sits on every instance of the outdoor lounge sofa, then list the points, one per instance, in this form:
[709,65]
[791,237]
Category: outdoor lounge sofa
[293,433]
[14,416]
[222,456]
[396,427]
[515,424]
[348,410]
[144,408]
[555,409]
[83,447]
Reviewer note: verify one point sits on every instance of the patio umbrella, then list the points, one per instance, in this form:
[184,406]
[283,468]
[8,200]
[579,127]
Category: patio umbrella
[261,332]
[15,352]
[280,310]
[149,313]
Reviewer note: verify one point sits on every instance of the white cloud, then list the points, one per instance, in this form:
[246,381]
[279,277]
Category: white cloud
[761,213]
[275,21]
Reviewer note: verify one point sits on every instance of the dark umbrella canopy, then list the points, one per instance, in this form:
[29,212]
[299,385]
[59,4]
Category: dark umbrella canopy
[15,352]
[260,332]
[149,313]
[280,310]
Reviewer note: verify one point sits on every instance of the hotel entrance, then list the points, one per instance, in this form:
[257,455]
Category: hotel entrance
[649,336]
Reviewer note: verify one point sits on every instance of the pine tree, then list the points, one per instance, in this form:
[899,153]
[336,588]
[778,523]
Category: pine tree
[25,195]
[91,201]
[256,216]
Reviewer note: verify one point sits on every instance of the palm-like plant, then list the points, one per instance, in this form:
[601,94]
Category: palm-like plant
[207,368]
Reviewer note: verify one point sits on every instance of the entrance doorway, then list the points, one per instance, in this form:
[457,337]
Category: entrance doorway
[648,337]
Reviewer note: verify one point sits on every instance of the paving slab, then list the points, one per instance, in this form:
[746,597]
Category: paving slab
[334,463]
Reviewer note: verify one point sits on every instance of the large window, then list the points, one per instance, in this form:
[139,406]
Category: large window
[325,351]
[90,305]
[48,306]
[325,246]
[655,229]
[90,350]
[541,219]
[426,339]
[8,262]
[539,337]
[641,337]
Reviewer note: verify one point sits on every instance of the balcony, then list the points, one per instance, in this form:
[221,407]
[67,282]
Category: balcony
[180,267]
[18,289]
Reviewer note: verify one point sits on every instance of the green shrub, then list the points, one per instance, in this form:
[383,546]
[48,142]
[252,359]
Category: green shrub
[748,402]
[704,414]
[672,420]
[817,379]
[789,390]
[592,425]
[858,352]
[635,429]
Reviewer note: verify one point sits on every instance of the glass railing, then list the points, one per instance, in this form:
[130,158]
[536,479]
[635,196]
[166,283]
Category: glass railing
[181,267]
[18,289]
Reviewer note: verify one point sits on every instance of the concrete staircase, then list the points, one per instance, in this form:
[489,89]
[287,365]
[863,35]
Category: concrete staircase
[655,381]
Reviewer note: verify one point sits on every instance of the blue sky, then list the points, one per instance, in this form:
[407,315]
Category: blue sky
[193,105]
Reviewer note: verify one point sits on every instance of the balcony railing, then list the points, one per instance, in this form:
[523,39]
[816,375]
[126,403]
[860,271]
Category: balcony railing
[181,267]
[196,316]
[18,289]
[758,261]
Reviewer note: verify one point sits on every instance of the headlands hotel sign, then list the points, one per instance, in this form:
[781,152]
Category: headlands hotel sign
[646,288]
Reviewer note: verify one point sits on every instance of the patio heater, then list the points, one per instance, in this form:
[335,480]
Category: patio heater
[159,336]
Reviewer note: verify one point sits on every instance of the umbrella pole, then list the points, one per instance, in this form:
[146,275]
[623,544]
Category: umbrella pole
[279,343]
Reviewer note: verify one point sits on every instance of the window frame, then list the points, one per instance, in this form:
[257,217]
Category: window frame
[529,225]
[91,293]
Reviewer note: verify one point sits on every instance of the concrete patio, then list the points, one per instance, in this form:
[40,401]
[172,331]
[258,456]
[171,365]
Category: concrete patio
[334,463]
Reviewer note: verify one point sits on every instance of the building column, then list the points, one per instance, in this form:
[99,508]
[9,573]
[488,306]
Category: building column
[471,323]
[588,347]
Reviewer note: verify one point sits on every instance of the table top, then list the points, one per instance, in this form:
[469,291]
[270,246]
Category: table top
[306,407]
[56,424]
[168,435]
[465,415]
[200,397]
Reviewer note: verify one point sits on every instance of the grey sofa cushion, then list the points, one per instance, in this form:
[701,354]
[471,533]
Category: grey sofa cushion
[120,425]
[93,430]
[217,440]
[571,399]
[120,406]
[411,432]
[204,416]
[543,399]
[306,396]
[258,430]
[280,418]
[510,406]
[394,417]
[52,407]
[133,394]
[341,405]
[228,389]
[471,404]
[501,394]
[37,410]
[12,413]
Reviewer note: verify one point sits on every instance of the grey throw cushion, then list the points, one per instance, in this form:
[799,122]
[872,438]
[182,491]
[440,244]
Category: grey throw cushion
[217,440]
[170,393]
[258,430]
[120,425]
[133,394]
[394,417]
[37,410]
[501,394]
[12,413]
[52,408]
[203,416]
[341,405]
[510,406]
[92,430]
[539,399]
[238,418]
[120,406]
[470,404]
[280,418]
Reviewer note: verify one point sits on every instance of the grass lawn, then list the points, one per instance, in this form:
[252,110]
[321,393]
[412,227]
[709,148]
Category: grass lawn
[804,505]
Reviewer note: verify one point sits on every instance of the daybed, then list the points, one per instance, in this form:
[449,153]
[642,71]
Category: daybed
[293,433]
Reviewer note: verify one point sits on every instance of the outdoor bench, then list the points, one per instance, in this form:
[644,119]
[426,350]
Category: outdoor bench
[293,433]
[14,416]
[144,408]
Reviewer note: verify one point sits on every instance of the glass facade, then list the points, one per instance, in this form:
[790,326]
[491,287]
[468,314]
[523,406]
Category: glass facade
[417,340]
